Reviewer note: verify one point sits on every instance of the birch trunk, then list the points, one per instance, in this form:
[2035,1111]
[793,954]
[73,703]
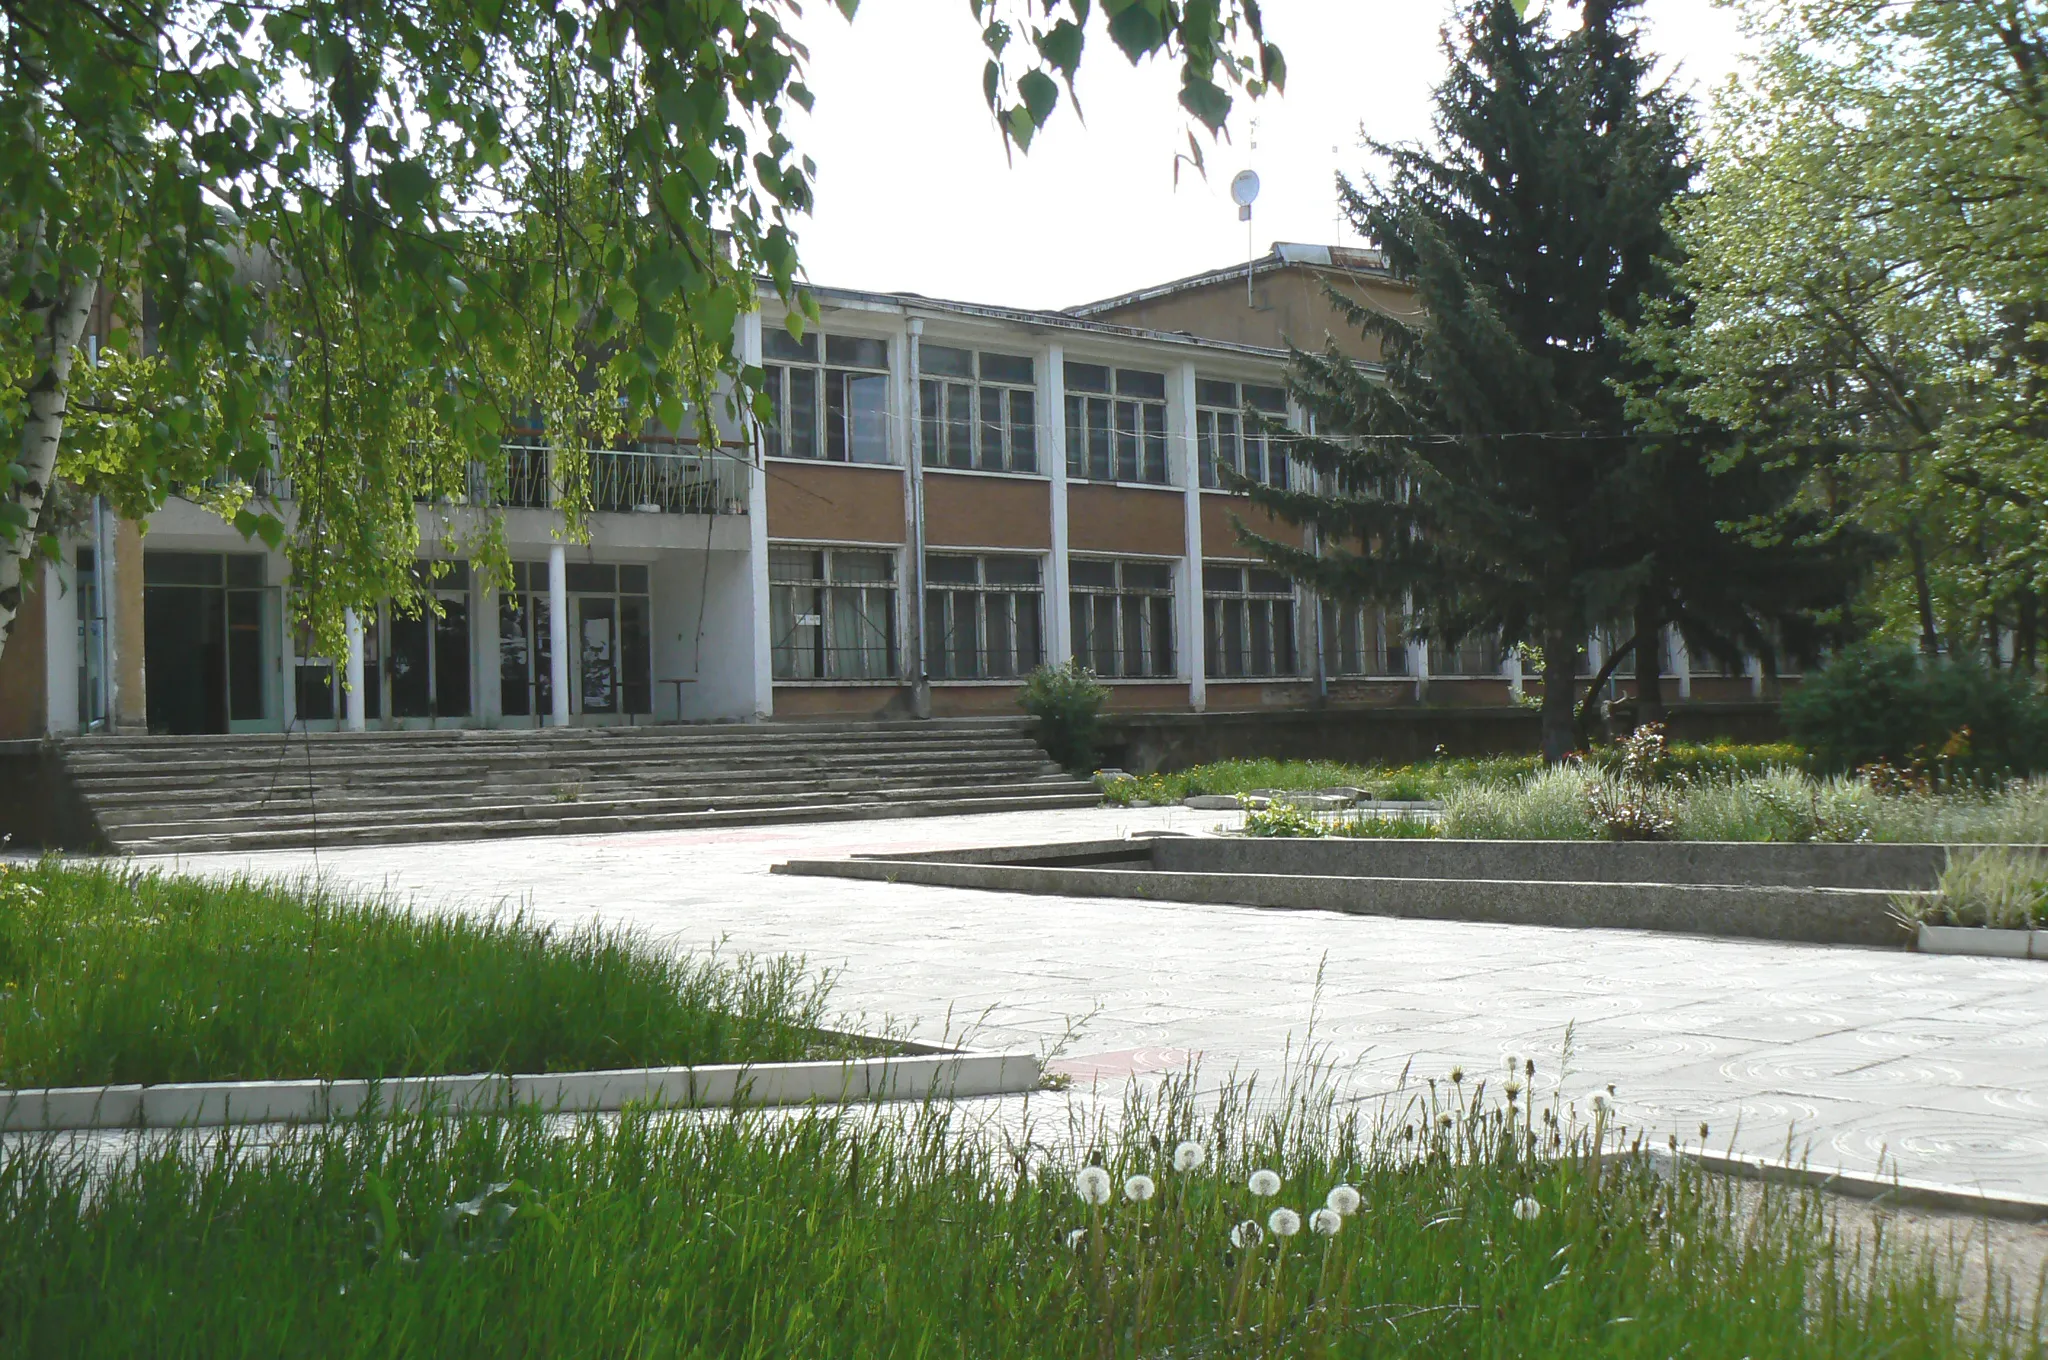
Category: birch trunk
[62,326]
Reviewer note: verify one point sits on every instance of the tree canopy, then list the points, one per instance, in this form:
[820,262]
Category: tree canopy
[360,243]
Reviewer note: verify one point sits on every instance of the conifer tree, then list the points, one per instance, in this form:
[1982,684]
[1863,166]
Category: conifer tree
[1482,479]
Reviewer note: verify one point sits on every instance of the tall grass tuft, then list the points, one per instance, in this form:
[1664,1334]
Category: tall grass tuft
[1477,1229]
[1989,887]
[111,975]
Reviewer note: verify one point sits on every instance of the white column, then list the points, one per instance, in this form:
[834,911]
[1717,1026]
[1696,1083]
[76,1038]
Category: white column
[1512,668]
[1418,653]
[287,655]
[1180,436]
[761,641]
[1753,667]
[483,648]
[60,647]
[352,670]
[1682,661]
[1059,598]
[558,630]
[913,417]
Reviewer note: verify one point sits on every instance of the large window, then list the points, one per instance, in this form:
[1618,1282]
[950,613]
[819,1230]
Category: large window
[1479,654]
[1226,437]
[1123,616]
[611,640]
[833,613]
[977,410]
[1357,640]
[1116,424]
[983,617]
[837,409]
[1250,613]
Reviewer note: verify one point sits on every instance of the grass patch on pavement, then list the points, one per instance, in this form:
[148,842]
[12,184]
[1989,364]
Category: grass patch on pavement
[110,975]
[1470,1231]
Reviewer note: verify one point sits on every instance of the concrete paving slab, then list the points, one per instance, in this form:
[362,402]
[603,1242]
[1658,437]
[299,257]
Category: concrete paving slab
[1939,1063]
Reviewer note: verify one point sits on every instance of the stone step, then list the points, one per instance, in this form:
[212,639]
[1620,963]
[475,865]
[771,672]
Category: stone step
[128,822]
[304,835]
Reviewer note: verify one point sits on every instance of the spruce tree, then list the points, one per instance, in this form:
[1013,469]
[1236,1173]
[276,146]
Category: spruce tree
[1482,479]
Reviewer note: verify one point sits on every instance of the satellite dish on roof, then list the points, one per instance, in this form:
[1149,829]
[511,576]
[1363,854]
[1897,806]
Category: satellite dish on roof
[1244,190]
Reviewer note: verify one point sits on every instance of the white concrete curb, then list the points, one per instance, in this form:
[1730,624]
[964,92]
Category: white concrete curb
[214,1103]
[1982,942]
[1891,1191]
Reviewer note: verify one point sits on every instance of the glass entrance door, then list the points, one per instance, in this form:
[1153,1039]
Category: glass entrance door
[597,654]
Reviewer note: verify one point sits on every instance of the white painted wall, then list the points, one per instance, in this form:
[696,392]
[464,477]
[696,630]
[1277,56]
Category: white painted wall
[722,672]
[60,643]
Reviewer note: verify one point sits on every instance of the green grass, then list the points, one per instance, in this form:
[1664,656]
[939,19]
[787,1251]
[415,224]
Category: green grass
[1989,887]
[110,975]
[874,1236]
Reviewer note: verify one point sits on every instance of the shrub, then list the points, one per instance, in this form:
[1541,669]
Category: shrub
[1067,700]
[1998,887]
[1283,819]
[1952,719]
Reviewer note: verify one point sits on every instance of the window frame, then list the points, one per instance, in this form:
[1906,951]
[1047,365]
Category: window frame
[825,377]
[937,428]
[1210,419]
[1144,610]
[1273,606]
[942,600]
[825,650]
[1133,427]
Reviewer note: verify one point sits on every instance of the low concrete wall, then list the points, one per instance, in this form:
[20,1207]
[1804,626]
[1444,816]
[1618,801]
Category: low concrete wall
[40,808]
[1809,915]
[1904,868]
[1147,743]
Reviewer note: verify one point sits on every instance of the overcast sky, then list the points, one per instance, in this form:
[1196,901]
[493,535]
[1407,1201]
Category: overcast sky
[914,194]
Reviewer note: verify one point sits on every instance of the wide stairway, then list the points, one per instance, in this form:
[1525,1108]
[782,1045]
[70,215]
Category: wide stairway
[157,795]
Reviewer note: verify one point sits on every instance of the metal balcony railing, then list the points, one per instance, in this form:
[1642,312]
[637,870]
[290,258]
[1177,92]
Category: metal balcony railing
[679,479]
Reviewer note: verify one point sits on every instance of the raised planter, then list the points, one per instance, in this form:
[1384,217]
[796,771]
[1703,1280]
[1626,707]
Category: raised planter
[1982,941]
[723,1085]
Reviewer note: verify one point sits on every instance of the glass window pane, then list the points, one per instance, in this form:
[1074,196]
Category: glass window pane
[1209,392]
[1077,437]
[991,431]
[795,564]
[1023,431]
[1127,441]
[1093,572]
[632,580]
[1132,382]
[1266,582]
[1102,634]
[1222,580]
[856,352]
[1160,634]
[246,569]
[950,570]
[863,566]
[1155,443]
[928,421]
[944,359]
[601,578]
[1099,461]
[1205,446]
[1028,622]
[1086,377]
[802,430]
[867,407]
[772,379]
[1008,368]
[998,613]
[777,343]
[1272,400]
[1147,576]
[1227,450]
[1261,658]
[1010,571]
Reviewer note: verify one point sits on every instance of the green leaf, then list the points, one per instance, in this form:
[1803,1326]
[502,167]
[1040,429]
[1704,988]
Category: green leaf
[1041,96]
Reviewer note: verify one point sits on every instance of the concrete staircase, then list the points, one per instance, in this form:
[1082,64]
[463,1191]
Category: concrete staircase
[160,795]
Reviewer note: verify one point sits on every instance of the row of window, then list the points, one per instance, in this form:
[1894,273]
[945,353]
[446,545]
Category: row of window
[828,398]
[833,613]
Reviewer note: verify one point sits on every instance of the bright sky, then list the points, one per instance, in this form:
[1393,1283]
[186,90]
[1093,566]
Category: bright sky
[914,194]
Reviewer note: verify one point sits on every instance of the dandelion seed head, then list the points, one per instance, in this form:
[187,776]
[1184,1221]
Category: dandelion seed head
[1077,1239]
[1247,1235]
[1284,1222]
[1343,1199]
[1265,1184]
[1139,1188]
[1527,1208]
[1513,1089]
[1188,1155]
[1457,1075]
[1603,1104]
[1091,1183]
[1326,1223]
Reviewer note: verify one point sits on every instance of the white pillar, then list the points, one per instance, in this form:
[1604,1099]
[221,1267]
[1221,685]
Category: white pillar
[1180,436]
[1682,660]
[1753,667]
[1059,599]
[558,630]
[920,649]
[761,637]
[483,648]
[1512,668]
[352,670]
[60,647]
[1418,653]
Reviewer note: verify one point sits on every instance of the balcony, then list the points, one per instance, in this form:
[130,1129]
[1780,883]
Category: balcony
[672,479]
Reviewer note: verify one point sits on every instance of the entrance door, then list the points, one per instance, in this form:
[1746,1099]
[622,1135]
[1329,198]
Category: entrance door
[597,646]
[209,638]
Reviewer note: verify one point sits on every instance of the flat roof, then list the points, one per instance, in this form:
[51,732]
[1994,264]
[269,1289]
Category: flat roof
[1283,255]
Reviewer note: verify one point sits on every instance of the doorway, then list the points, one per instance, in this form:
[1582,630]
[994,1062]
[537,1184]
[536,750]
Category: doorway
[209,638]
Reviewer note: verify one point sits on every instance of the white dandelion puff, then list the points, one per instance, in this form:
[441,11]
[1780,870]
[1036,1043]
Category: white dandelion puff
[1188,1155]
[1326,1222]
[1247,1235]
[1527,1208]
[1284,1222]
[1603,1103]
[1076,1239]
[1265,1184]
[1091,1183]
[1343,1200]
[1139,1188]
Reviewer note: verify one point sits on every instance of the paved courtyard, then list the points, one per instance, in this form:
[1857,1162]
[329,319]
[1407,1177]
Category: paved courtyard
[1855,1058]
